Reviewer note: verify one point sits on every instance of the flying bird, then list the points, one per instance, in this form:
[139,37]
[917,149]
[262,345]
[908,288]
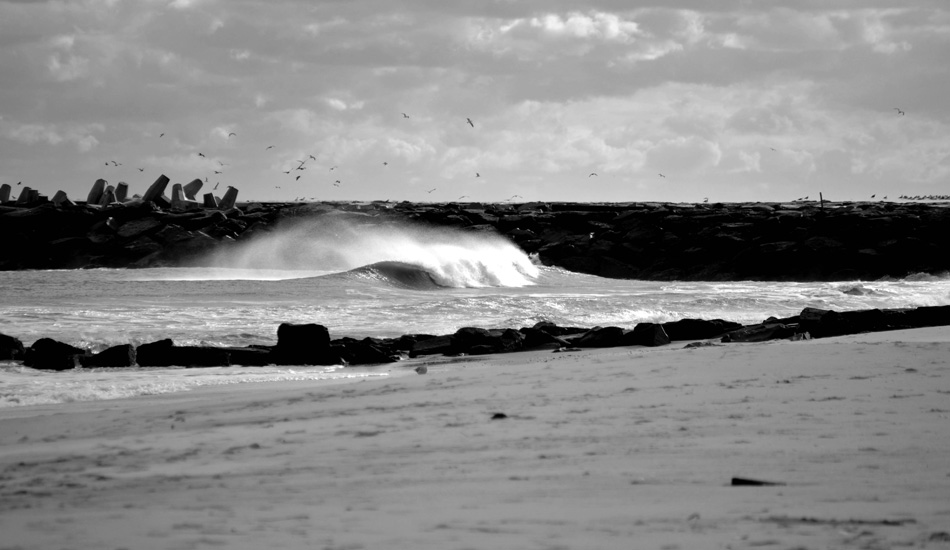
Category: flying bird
[477,175]
[297,178]
[141,169]
[313,157]
[431,190]
[202,155]
[900,112]
[404,115]
[287,172]
[462,197]
[116,163]
[231,134]
[162,134]
[385,163]
[592,174]
[662,176]
[470,123]
[217,171]
[268,147]
[216,186]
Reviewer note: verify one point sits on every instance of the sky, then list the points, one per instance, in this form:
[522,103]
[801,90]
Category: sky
[599,101]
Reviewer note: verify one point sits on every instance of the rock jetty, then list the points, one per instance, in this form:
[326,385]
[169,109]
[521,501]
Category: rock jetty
[310,344]
[799,240]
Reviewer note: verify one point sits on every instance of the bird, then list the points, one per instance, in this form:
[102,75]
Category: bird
[202,155]
[900,112]
[297,178]
[385,163]
[162,134]
[706,199]
[332,168]
[338,182]
[115,163]
[872,196]
[216,186]
[286,172]
[592,174]
[470,123]
[141,169]
[515,196]
[431,190]
[462,197]
[313,157]
[19,183]
[268,147]
[217,171]
[231,134]
[404,115]
[477,175]
[662,176]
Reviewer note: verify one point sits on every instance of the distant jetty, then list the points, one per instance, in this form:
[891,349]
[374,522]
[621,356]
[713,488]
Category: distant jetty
[792,241]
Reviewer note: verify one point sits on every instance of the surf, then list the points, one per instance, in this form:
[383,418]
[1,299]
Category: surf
[415,256]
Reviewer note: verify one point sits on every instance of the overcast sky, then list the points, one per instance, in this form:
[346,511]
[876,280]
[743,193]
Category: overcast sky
[733,100]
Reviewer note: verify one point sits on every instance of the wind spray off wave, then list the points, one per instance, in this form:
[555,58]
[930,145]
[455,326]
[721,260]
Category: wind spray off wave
[448,257]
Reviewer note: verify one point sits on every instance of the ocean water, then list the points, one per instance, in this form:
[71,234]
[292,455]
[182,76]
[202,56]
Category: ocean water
[361,281]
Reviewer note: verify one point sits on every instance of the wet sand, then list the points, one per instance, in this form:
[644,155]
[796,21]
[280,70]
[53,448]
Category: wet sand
[613,448]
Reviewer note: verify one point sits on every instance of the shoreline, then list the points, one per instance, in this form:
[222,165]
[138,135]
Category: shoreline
[598,449]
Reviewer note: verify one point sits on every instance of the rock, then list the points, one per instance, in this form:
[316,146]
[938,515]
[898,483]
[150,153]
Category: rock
[209,201]
[435,345]
[25,197]
[646,334]
[598,337]
[117,356]
[698,329]
[164,353]
[60,199]
[303,344]
[10,348]
[760,333]
[180,201]
[108,196]
[5,190]
[250,356]
[48,354]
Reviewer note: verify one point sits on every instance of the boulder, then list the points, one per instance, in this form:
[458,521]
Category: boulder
[48,354]
[250,356]
[117,356]
[191,189]
[698,329]
[10,348]
[122,191]
[535,338]
[303,344]
[598,337]
[431,346]
[230,198]
[646,334]
[5,190]
[760,333]
[164,353]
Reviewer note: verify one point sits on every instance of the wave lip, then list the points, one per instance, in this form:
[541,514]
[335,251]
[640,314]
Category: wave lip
[400,274]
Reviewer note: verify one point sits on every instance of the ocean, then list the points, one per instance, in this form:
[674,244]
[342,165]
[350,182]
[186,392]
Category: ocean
[360,282]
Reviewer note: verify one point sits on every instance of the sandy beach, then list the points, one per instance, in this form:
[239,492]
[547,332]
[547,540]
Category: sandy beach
[613,448]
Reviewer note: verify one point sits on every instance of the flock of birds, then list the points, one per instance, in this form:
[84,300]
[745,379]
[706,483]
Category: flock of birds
[301,165]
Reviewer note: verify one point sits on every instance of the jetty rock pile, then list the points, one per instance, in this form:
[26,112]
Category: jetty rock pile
[310,344]
[796,241]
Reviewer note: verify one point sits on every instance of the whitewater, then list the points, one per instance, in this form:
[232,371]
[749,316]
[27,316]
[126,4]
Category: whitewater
[358,281]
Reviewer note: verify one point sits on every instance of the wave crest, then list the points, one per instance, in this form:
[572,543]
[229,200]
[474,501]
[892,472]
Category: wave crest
[408,255]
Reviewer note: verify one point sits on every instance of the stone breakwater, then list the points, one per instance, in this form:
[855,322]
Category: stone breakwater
[310,344]
[798,241]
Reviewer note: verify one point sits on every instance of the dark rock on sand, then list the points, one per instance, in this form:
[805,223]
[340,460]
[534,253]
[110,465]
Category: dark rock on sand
[164,353]
[10,348]
[698,329]
[117,356]
[646,334]
[303,344]
[49,354]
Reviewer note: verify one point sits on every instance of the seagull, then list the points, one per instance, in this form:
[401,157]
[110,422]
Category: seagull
[706,199]
[19,183]
[313,157]
[431,190]
[516,196]
[472,124]
[162,134]
[477,175]
[900,112]
[231,134]
[216,186]
[332,168]
[872,196]
[217,171]
[297,178]
[141,169]
[287,172]
[404,115]
[268,147]
[116,163]
[462,197]
[592,174]
[662,176]
[385,163]
[338,182]
[202,155]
